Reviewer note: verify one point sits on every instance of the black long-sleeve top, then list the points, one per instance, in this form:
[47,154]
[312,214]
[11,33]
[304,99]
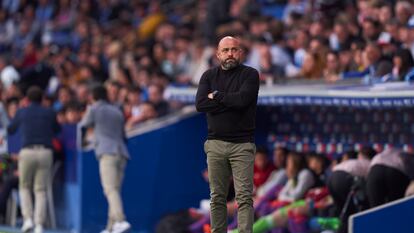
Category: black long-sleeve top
[231,114]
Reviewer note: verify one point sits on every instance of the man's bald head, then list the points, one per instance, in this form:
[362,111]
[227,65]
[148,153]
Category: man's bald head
[229,52]
[228,39]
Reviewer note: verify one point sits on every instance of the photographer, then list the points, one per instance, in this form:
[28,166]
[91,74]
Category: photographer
[341,182]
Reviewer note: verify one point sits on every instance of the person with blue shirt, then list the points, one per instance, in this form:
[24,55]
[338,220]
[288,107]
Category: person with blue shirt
[403,62]
[38,126]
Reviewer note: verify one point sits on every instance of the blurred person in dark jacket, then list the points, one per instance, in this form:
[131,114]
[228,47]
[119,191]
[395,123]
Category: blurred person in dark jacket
[389,176]
[37,126]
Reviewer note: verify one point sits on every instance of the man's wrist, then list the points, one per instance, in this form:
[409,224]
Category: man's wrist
[214,94]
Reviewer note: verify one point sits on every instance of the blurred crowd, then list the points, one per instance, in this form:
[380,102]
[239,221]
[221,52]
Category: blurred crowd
[308,192]
[139,48]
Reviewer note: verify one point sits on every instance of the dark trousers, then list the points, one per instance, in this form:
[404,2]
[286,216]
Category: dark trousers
[385,184]
[340,185]
[8,186]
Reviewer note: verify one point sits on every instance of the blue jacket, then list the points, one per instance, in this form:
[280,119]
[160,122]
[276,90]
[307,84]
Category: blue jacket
[37,125]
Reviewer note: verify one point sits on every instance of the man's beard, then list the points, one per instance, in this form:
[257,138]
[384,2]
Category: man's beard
[229,64]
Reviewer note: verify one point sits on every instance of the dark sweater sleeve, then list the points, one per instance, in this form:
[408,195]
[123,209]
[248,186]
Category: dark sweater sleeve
[203,103]
[248,92]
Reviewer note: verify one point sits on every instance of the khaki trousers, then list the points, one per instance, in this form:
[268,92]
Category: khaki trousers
[35,166]
[111,170]
[223,160]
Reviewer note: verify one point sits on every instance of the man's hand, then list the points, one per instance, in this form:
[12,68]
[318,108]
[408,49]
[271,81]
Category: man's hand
[210,96]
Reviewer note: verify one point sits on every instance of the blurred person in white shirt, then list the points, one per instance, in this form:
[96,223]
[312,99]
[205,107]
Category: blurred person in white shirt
[8,74]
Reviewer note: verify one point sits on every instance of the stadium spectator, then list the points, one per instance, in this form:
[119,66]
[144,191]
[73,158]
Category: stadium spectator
[132,105]
[7,28]
[370,29]
[82,93]
[300,179]
[44,12]
[341,36]
[389,176]
[278,177]
[113,88]
[8,74]
[72,113]
[313,65]
[300,182]
[4,122]
[375,67]
[146,112]
[403,11]
[299,7]
[269,72]
[318,165]
[262,167]
[155,97]
[332,69]
[403,65]
[64,97]
[342,180]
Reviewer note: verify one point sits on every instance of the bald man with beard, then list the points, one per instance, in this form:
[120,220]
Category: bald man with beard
[228,95]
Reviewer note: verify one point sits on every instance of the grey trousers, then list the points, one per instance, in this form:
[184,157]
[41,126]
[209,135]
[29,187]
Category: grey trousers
[223,160]
[111,170]
[35,165]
